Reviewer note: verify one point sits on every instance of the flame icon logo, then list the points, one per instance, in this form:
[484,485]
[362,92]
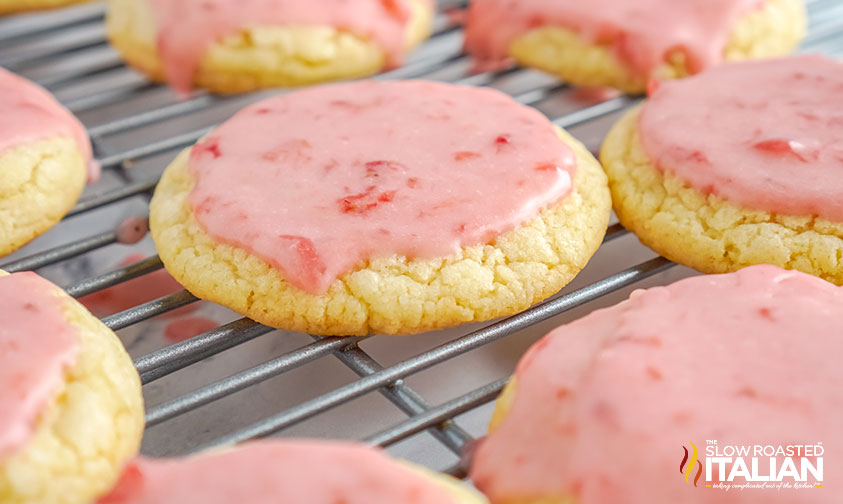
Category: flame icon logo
[687,466]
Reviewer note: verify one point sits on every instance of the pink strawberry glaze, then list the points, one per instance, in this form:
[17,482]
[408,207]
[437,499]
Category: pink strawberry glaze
[31,114]
[605,404]
[641,33]
[767,135]
[187,28]
[132,230]
[318,181]
[272,472]
[37,345]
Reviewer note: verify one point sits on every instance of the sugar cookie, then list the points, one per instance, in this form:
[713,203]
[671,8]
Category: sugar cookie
[623,405]
[717,172]
[231,46]
[623,44]
[72,411]
[391,207]
[44,152]
[269,472]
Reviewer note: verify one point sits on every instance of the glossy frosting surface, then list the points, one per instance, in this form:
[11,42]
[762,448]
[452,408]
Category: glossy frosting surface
[604,405]
[318,181]
[187,28]
[273,472]
[30,114]
[766,135]
[640,33]
[37,346]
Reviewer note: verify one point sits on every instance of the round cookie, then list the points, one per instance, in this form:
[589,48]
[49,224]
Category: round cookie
[72,406]
[15,6]
[313,472]
[237,46]
[624,44]
[380,207]
[44,152]
[683,195]
[600,410]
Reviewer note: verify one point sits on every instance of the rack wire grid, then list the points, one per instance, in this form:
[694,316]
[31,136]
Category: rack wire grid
[242,380]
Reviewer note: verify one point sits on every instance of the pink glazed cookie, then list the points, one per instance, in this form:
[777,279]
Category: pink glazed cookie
[623,44]
[45,157]
[371,207]
[71,411]
[635,403]
[718,172]
[272,472]
[232,46]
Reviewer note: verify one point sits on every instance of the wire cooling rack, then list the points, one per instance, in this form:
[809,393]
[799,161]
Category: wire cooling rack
[137,127]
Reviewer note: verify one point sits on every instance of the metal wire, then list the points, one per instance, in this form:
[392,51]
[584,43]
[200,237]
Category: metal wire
[17,32]
[61,253]
[181,355]
[78,31]
[405,398]
[148,310]
[442,353]
[253,376]
[439,415]
[98,283]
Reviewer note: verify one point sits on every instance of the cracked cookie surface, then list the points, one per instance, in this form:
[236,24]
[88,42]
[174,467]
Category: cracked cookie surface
[706,232]
[41,182]
[89,430]
[390,295]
